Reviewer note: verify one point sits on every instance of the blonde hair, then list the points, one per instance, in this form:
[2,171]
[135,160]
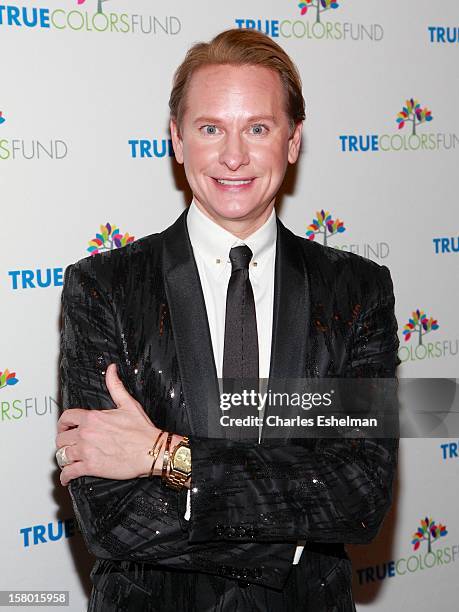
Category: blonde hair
[239,47]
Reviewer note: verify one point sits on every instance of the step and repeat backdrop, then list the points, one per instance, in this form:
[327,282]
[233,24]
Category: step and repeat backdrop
[86,165]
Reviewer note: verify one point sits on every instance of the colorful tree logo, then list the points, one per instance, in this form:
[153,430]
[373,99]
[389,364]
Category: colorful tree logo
[320,5]
[324,224]
[428,531]
[419,323]
[413,113]
[2,119]
[109,238]
[99,4]
[8,379]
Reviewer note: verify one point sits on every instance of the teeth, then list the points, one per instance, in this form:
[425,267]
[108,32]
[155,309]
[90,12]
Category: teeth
[224,182]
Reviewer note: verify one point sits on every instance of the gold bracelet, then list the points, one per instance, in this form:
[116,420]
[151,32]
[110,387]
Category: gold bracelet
[160,448]
[166,458]
[154,452]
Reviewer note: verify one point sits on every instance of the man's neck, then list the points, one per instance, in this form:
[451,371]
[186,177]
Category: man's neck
[241,228]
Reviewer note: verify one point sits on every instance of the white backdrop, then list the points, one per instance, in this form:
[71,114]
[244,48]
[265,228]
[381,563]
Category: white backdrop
[76,98]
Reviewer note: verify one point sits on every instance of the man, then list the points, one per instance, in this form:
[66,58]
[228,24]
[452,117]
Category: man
[226,291]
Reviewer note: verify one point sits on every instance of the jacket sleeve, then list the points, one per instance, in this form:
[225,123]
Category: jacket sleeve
[137,519]
[323,489]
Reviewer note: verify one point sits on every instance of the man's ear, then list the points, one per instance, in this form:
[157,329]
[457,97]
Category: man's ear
[294,143]
[177,142]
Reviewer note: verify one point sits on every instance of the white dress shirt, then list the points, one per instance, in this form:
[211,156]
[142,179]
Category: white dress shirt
[211,245]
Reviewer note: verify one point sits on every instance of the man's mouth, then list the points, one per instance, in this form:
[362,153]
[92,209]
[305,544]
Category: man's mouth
[233,182]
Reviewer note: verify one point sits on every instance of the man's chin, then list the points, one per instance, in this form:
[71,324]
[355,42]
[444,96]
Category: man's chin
[235,213]
[230,209]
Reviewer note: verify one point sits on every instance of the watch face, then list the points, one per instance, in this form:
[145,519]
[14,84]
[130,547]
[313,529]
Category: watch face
[182,460]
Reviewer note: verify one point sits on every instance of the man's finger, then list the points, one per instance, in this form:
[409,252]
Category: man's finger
[64,438]
[71,471]
[116,388]
[70,418]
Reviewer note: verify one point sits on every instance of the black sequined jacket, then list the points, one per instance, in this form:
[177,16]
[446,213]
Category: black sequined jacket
[142,307]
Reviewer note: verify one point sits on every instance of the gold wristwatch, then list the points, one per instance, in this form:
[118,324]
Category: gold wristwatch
[180,465]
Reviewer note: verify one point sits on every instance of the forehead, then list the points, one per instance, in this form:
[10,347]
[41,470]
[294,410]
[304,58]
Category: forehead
[225,90]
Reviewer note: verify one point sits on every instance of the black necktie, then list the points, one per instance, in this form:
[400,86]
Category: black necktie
[240,354]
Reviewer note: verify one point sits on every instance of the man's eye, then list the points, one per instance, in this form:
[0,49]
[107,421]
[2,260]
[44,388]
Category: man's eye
[209,129]
[258,129]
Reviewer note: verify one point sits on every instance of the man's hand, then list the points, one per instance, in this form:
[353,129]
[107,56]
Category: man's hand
[107,443]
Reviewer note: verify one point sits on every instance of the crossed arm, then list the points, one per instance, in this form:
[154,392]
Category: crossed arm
[321,490]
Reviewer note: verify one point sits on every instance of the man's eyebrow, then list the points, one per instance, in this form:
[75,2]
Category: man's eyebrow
[251,119]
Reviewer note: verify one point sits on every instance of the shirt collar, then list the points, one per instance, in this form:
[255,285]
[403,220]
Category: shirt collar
[213,243]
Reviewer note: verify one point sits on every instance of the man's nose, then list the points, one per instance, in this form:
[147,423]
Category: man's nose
[234,152]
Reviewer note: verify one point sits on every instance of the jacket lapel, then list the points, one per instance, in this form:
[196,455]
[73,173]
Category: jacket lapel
[191,331]
[291,315]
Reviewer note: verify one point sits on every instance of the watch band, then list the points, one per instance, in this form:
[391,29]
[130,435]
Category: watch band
[176,480]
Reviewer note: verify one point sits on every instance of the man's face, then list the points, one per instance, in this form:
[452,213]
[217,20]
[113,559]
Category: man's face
[235,141]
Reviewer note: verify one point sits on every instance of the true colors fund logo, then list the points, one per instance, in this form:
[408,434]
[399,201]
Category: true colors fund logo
[8,379]
[157,147]
[99,4]
[413,114]
[40,278]
[107,239]
[427,555]
[14,408]
[420,325]
[92,19]
[309,20]
[325,227]
[318,7]
[428,532]
[416,348]
[443,34]
[446,244]
[46,533]
[13,148]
